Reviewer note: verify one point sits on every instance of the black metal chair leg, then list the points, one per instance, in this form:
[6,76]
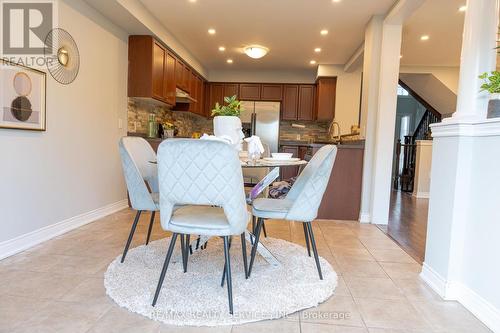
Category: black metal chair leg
[150,226]
[228,274]
[165,266]
[183,252]
[315,250]
[131,234]
[255,244]
[244,252]
[224,271]
[264,229]
[306,235]
[253,230]
[188,247]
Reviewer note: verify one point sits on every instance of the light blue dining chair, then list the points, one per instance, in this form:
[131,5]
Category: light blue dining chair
[204,180]
[301,203]
[142,181]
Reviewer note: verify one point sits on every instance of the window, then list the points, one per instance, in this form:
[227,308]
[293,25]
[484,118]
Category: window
[402,91]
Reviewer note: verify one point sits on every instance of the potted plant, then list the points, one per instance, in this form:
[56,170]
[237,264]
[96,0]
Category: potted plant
[491,84]
[227,123]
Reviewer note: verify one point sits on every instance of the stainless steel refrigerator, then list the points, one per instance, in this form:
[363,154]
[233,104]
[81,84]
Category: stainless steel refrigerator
[262,119]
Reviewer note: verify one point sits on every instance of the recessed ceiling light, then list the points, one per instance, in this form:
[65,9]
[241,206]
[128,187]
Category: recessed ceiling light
[211,31]
[424,37]
[256,51]
[336,1]
[229,61]
[317,50]
[324,32]
[400,56]
[462,8]
[312,62]
[192,1]
[222,48]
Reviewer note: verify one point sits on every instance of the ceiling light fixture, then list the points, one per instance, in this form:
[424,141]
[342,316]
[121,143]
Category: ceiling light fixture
[317,50]
[256,51]
[324,32]
[336,1]
[424,37]
[229,61]
[211,31]
[192,1]
[222,48]
[462,8]
[312,62]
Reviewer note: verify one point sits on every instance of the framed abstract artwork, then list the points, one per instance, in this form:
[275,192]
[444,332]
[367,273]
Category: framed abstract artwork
[22,97]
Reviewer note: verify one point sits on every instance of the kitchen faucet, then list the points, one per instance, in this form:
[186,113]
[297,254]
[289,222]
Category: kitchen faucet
[330,131]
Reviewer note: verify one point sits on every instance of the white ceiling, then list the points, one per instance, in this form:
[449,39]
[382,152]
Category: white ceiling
[289,28]
[441,20]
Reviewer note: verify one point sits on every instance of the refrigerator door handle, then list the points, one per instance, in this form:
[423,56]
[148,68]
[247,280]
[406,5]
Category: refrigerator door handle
[254,122]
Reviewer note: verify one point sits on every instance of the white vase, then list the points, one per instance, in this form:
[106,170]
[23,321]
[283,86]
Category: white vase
[229,127]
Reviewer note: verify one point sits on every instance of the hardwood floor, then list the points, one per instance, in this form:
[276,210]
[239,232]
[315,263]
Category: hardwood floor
[408,223]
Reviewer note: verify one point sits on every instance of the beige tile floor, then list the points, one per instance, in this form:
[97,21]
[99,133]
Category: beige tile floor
[58,286]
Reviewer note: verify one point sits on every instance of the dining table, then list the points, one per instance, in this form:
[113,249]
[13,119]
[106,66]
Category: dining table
[273,166]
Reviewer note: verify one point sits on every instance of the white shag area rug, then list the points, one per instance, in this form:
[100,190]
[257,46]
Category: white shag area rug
[196,297]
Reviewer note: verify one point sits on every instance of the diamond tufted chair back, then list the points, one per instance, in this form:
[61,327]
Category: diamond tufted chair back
[136,154]
[201,172]
[307,191]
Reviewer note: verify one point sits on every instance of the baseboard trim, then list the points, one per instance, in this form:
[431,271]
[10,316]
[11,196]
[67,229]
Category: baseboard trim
[23,242]
[473,302]
[433,280]
[364,218]
[479,307]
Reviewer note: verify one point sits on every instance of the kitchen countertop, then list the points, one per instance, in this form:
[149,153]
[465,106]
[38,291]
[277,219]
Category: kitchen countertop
[358,144]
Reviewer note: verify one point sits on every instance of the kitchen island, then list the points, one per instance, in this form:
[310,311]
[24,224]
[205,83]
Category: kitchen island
[342,198]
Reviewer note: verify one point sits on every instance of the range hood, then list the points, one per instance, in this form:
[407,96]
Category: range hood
[183,97]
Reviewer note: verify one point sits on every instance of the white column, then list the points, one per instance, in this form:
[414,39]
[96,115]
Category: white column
[369,102]
[478,56]
[386,122]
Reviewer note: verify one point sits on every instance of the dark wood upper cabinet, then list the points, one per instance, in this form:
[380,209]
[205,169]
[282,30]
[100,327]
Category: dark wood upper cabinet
[179,74]
[289,106]
[216,95]
[231,89]
[325,98]
[250,92]
[169,79]
[158,70]
[271,92]
[150,71]
[306,102]
[187,77]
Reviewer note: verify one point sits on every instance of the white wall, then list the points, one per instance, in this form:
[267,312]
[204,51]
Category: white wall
[74,167]
[447,75]
[348,95]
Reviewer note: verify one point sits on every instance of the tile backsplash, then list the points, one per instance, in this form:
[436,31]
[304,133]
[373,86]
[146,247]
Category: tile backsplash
[186,122]
[317,130]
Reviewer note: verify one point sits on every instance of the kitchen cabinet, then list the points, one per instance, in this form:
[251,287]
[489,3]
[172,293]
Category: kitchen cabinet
[179,74]
[231,89]
[216,95]
[289,171]
[271,92]
[289,106]
[186,79]
[250,92]
[149,73]
[306,102]
[169,78]
[325,98]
